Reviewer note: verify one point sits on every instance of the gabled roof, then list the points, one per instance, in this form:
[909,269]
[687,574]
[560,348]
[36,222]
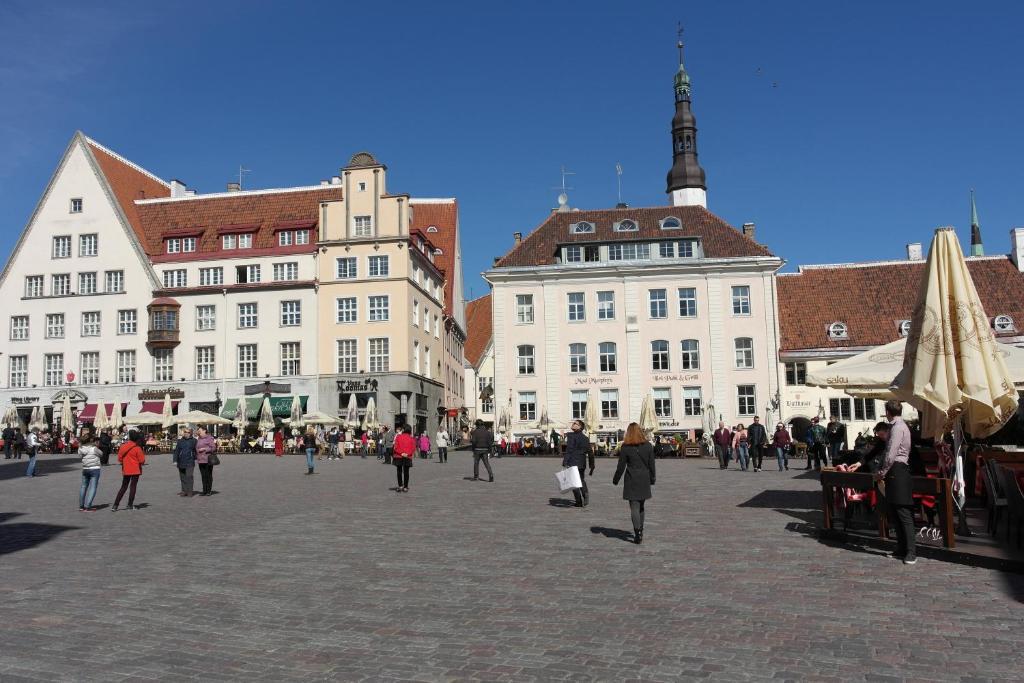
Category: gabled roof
[719,239]
[872,299]
[442,214]
[261,213]
[128,182]
[478,336]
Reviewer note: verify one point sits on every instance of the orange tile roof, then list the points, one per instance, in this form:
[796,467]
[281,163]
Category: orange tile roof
[478,336]
[872,299]
[128,183]
[719,239]
[443,215]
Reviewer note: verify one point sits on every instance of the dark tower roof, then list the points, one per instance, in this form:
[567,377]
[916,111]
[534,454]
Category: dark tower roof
[686,170]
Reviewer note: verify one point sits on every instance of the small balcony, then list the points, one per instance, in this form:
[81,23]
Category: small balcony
[163,324]
[163,339]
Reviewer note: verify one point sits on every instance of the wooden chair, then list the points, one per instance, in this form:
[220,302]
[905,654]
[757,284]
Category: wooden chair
[993,501]
[1014,502]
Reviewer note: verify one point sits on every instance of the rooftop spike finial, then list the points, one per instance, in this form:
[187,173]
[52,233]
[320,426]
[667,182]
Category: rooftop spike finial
[977,248]
[682,80]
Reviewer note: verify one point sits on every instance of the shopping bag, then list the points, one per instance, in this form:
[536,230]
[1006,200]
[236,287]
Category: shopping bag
[568,479]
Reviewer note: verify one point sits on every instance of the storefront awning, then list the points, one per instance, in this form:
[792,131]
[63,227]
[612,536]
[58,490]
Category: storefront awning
[88,413]
[280,406]
[158,407]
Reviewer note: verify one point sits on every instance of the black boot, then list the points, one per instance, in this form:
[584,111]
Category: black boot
[638,536]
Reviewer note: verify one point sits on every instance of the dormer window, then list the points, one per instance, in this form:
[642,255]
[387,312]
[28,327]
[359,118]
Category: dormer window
[671,223]
[582,228]
[1003,323]
[432,228]
[837,330]
[626,226]
[904,327]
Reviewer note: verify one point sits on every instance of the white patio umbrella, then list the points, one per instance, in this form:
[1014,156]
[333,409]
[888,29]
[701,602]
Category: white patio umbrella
[10,417]
[295,416]
[590,417]
[371,414]
[67,418]
[503,421]
[144,419]
[35,421]
[648,420]
[316,418]
[198,417]
[100,422]
[266,422]
[545,422]
[167,412]
[116,418]
[241,417]
[710,425]
[352,412]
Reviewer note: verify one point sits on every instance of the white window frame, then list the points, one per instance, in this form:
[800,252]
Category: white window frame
[741,398]
[744,348]
[128,321]
[61,247]
[60,284]
[690,357]
[657,303]
[55,328]
[245,240]
[608,357]
[687,299]
[229,242]
[17,372]
[211,277]
[126,366]
[344,310]
[248,318]
[113,281]
[291,313]
[527,406]
[606,305]
[378,308]
[346,268]
[248,360]
[626,225]
[287,271]
[526,360]
[20,326]
[348,356]
[87,283]
[53,369]
[206,317]
[577,408]
[577,358]
[609,402]
[75,205]
[379,354]
[89,367]
[741,305]
[291,358]
[693,402]
[206,365]
[661,355]
[285,238]
[34,286]
[362,226]
[176,279]
[662,399]
[576,307]
[89,245]
[582,228]
[378,265]
[91,323]
[524,309]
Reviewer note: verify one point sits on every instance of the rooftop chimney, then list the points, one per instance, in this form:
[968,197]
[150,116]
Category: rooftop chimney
[748,230]
[914,252]
[335,180]
[178,189]
[234,187]
[325,182]
[190,193]
[517,238]
[1017,247]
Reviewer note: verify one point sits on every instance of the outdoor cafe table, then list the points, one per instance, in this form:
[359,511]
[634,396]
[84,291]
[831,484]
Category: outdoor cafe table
[863,481]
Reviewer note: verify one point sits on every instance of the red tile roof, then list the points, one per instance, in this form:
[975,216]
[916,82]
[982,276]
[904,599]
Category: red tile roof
[258,212]
[443,215]
[719,239]
[872,299]
[478,336]
[128,183]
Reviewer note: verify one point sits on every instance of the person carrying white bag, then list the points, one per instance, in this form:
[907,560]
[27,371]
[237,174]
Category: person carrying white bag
[577,449]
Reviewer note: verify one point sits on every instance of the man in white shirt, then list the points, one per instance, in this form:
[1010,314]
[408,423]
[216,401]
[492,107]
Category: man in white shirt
[32,445]
[441,439]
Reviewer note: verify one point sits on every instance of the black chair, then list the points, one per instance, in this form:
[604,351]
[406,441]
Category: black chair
[993,501]
[1014,503]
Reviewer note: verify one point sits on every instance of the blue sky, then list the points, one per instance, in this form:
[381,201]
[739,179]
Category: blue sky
[844,130]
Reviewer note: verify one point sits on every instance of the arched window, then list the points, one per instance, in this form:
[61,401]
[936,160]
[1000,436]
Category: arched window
[689,143]
[691,354]
[581,228]
[837,330]
[744,352]
[527,359]
[671,223]
[432,228]
[577,357]
[659,355]
[608,357]
[626,226]
[1003,323]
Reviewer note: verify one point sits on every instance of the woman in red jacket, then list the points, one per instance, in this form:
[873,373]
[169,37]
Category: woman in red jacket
[132,457]
[405,448]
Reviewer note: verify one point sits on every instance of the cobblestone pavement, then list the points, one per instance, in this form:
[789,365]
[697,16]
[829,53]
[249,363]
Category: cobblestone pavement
[281,576]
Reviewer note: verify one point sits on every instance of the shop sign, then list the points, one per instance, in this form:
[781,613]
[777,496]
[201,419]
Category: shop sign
[668,423]
[354,385]
[267,388]
[21,400]
[589,381]
[158,394]
[798,404]
[692,377]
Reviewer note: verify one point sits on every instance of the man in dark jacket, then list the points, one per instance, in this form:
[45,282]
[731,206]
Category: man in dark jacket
[836,431]
[723,442]
[185,460]
[481,440]
[577,452]
[106,444]
[8,437]
[757,436]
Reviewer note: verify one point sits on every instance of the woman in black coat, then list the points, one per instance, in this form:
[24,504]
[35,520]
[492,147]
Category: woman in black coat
[636,460]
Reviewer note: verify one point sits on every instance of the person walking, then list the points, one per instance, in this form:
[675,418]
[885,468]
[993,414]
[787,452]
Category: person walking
[781,442]
[481,440]
[184,459]
[577,450]
[332,444]
[424,444]
[92,465]
[741,446]
[636,462]
[19,443]
[837,441]
[132,456]
[206,446]
[309,445]
[279,442]
[32,446]
[898,485]
[723,445]
[441,439]
[364,444]
[388,437]
[106,445]
[8,437]
[816,438]
[405,449]
[757,437]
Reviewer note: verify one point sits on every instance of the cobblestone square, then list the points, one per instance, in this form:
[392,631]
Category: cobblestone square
[282,576]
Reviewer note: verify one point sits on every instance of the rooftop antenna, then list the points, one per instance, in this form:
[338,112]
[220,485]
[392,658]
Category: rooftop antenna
[679,43]
[618,178]
[241,171]
[563,198]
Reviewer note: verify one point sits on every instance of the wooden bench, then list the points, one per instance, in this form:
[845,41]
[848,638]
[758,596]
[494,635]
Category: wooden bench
[942,489]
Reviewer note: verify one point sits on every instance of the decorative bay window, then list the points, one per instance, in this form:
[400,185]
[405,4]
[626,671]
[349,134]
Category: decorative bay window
[164,321]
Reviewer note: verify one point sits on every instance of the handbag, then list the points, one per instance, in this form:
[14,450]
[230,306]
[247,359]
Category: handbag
[212,459]
[568,479]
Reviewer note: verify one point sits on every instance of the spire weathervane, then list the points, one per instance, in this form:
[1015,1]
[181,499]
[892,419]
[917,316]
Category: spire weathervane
[679,43]
[563,197]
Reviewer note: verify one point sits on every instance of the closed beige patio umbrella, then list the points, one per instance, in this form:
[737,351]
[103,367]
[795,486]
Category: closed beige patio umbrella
[648,420]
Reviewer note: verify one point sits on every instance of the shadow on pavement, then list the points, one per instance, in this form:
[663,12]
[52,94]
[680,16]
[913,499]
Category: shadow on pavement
[25,535]
[45,464]
[612,533]
[787,500]
[810,474]
[561,502]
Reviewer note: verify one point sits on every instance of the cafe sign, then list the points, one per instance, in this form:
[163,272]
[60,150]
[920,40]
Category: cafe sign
[22,400]
[356,385]
[592,381]
[158,394]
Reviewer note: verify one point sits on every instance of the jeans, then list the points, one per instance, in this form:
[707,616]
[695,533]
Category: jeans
[87,492]
[206,474]
[743,456]
[402,466]
[758,456]
[442,453]
[8,447]
[783,458]
[310,452]
[636,513]
[31,471]
[582,495]
[833,451]
[477,457]
[187,478]
[127,480]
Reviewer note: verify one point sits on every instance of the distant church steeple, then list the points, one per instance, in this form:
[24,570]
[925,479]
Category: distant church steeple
[686,183]
[977,248]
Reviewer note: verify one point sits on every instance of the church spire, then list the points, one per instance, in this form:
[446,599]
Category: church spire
[977,249]
[686,184]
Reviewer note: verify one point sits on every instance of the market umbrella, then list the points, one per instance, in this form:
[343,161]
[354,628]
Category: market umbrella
[198,417]
[370,419]
[100,422]
[35,421]
[167,412]
[590,417]
[503,421]
[295,416]
[648,420]
[266,422]
[116,418]
[545,422]
[316,418]
[10,417]
[144,419]
[352,412]
[241,419]
[67,418]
